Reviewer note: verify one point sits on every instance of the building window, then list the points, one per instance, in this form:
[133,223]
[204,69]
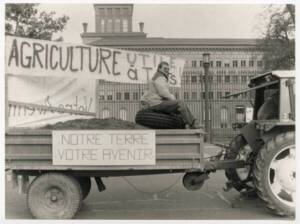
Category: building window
[211,64]
[125,11]
[244,79]
[224,117]
[105,113]
[126,96]
[186,95]
[101,12]
[135,96]
[259,63]
[118,96]
[201,63]
[186,79]
[102,25]
[109,11]
[209,114]
[227,65]
[194,95]
[201,78]
[193,78]
[244,95]
[219,95]
[123,114]
[194,64]
[118,11]
[219,78]
[243,63]
[235,63]
[235,79]
[109,96]
[219,64]
[117,25]
[125,25]
[240,114]
[101,95]
[211,95]
[109,27]
[251,63]
[227,79]
[203,95]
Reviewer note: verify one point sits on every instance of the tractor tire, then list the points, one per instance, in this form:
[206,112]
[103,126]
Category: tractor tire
[275,174]
[158,120]
[54,196]
[240,178]
[85,184]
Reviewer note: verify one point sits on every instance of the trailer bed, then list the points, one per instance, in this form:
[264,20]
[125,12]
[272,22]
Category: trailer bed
[176,150]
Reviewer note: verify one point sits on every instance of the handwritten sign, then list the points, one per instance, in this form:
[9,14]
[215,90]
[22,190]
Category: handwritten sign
[105,147]
[47,58]
[62,93]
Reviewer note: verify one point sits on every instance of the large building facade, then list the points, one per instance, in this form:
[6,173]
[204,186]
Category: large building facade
[232,63]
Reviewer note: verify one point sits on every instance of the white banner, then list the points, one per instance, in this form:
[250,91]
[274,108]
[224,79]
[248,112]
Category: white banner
[105,147]
[31,98]
[32,57]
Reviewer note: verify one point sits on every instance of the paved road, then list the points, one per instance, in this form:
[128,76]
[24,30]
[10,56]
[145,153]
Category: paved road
[156,197]
[144,197]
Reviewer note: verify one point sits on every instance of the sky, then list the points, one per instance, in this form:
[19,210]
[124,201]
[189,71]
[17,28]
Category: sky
[171,20]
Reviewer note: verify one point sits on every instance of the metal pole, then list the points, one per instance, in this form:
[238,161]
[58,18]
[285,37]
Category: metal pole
[207,129]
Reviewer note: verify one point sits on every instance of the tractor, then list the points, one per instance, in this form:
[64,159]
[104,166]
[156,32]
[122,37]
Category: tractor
[267,144]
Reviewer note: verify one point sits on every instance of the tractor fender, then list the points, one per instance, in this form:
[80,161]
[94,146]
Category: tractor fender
[252,136]
[256,138]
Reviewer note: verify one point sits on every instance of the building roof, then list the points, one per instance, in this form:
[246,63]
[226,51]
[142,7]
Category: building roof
[158,41]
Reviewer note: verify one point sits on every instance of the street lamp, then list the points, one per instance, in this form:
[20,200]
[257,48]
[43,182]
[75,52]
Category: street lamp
[206,63]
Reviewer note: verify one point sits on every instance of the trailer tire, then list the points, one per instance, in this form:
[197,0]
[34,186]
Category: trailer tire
[275,174]
[241,180]
[85,184]
[159,120]
[54,196]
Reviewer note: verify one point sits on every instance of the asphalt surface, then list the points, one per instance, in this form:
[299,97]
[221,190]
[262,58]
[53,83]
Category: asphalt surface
[156,197]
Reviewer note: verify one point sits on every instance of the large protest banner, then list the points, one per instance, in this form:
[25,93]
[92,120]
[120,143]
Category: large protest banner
[45,74]
[46,58]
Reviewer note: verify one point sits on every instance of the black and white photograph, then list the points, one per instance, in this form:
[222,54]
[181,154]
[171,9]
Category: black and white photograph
[149,111]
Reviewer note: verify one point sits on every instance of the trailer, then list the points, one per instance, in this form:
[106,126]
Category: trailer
[56,191]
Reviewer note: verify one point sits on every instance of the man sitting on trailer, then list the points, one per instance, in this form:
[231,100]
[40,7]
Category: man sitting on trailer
[159,99]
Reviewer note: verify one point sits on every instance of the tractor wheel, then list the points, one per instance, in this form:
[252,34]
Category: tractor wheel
[85,184]
[54,196]
[158,120]
[240,178]
[275,174]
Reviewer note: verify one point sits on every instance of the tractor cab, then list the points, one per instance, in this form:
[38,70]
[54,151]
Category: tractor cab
[272,98]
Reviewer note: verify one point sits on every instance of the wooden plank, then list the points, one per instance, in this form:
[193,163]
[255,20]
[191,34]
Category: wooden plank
[164,156]
[170,132]
[48,141]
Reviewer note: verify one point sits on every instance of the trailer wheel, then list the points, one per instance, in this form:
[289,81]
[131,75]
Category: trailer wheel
[158,120]
[240,178]
[54,196]
[275,174]
[194,181]
[85,184]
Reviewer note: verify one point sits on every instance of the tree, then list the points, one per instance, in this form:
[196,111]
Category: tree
[24,20]
[278,43]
